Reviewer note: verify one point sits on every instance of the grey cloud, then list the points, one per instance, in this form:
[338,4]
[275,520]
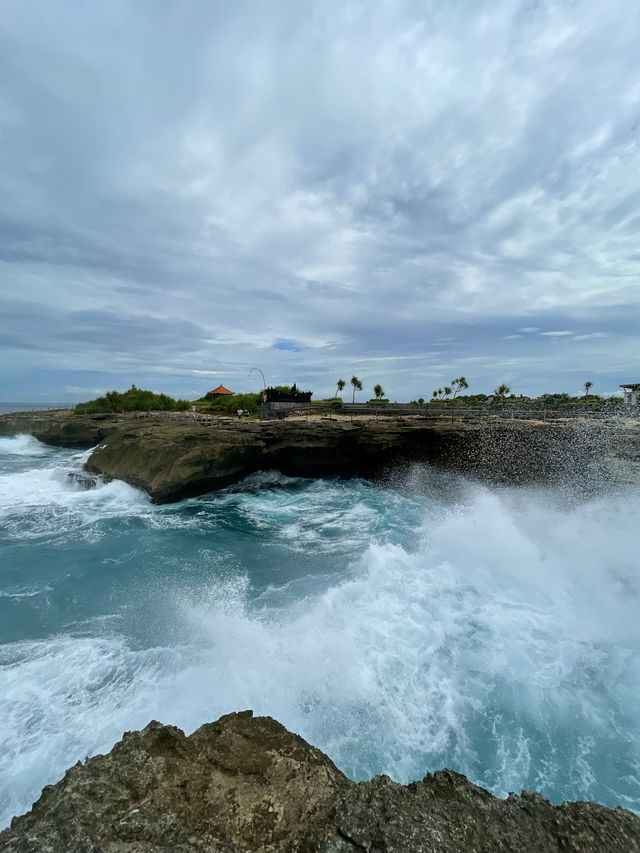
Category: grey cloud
[201,180]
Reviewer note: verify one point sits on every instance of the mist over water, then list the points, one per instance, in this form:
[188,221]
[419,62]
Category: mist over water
[401,628]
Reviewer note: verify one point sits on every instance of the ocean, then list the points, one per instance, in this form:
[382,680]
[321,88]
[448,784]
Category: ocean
[401,626]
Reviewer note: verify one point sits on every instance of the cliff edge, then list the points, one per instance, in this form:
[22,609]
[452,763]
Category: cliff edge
[245,784]
[172,460]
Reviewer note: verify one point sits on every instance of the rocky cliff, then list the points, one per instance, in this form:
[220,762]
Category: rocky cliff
[61,429]
[246,784]
[176,460]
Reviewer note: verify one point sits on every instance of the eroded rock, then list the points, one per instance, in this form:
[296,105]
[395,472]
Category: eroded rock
[245,784]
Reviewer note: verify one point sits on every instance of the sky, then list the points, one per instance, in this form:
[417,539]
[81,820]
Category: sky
[404,191]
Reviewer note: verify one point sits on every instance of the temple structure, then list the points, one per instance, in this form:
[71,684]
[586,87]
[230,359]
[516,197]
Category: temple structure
[631,393]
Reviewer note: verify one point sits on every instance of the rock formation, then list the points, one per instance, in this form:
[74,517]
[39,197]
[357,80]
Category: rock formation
[174,460]
[245,784]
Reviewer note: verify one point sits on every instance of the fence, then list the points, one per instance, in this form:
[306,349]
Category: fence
[426,412]
[466,412]
[18,408]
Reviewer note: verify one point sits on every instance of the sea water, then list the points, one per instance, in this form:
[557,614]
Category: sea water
[401,626]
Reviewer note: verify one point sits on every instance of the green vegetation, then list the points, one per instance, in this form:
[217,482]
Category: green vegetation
[133,400]
[458,385]
[339,386]
[229,404]
[334,402]
[544,401]
[357,386]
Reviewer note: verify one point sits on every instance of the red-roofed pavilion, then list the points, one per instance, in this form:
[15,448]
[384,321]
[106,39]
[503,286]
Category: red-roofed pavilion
[220,391]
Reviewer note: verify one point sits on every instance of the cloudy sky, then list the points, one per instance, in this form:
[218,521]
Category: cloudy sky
[408,191]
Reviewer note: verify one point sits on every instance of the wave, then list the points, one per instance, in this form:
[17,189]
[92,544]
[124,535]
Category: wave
[496,634]
[506,646]
[22,445]
[56,497]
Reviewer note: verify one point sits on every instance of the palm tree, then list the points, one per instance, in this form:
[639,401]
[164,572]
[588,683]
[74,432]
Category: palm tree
[357,386]
[587,385]
[458,384]
[447,391]
[339,386]
[501,391]
[378,390]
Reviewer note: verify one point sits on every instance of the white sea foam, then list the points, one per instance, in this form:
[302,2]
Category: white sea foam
[56,497]
[68,697]
[22,445]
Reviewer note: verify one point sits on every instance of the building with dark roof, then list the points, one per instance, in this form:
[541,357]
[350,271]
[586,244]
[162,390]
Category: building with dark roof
[631,393]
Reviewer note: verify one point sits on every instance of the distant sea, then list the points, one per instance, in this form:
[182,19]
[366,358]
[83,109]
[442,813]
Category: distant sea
[402,627]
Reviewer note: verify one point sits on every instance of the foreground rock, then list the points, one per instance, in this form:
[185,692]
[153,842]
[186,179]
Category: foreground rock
[247,784]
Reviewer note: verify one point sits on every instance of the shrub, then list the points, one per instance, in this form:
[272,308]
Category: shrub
[229,404]
[133,400]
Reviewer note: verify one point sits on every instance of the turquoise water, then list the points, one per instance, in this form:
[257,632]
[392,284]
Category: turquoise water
[400,627]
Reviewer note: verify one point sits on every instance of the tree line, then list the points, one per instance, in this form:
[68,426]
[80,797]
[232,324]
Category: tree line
[137,399]
[501,394]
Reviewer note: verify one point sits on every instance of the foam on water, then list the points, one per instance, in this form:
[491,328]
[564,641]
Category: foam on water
[496,635]
[21,445]
[490,648]
[55,496]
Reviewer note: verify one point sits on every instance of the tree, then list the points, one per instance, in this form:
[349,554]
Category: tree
[357,386]
[587,385]
[501,391]
[447,391]
[458,385]
[421,401]
[339,386]
[378,390]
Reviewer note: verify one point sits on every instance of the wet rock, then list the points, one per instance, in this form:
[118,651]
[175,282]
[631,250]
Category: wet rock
[240,783]
[172,460]
[61,429]
[448,814]
[245,784]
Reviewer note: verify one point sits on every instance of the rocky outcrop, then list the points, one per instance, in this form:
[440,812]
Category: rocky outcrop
[61,429]
[245,784]
[174,460]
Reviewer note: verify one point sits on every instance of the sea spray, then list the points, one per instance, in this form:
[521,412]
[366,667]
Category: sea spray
[400,629]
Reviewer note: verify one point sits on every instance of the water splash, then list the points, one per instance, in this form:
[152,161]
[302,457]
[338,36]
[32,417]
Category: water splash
[401,630]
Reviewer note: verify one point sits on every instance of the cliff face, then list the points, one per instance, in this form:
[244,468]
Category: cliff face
[61,429]
[177,460]
[245,784]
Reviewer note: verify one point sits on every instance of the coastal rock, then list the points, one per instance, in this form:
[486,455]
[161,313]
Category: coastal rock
[245,784]
[61,429]
[172,460]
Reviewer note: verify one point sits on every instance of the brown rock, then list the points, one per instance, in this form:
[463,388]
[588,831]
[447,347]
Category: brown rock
[245,784]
